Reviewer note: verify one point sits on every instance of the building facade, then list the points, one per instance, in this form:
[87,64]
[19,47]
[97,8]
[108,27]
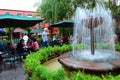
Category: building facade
[20,12]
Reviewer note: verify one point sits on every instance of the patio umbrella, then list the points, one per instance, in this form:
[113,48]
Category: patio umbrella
[18,31]
[65,23]
[37,31]
[9,20]
[2,32]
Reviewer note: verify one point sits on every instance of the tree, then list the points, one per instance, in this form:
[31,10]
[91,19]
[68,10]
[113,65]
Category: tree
[57,10]
[54,10]
[115,9]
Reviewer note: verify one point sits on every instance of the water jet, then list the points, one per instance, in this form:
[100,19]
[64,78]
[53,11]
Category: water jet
[93,46]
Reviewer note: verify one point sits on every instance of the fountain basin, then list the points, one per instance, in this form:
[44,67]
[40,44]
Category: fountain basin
[70,62]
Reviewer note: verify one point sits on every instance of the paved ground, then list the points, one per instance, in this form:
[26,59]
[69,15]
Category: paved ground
[11,73]
[53,64]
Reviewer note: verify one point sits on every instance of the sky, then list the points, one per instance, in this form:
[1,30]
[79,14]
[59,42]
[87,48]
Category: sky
[26,5]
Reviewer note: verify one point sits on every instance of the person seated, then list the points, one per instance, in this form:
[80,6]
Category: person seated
[35,45]
[54,40]
[2,49]
[20,48]
[61,41]
[20,45]
[11,48]
[29,45]
[65,40]
[29,42]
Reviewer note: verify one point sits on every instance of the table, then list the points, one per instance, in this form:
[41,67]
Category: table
[2,53]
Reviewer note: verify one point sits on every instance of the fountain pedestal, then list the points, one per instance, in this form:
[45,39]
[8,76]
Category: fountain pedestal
[71,63]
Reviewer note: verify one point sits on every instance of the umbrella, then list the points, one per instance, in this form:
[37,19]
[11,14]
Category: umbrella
[37,31]
[18,31]
[2,32]
[9,20]
[65,23]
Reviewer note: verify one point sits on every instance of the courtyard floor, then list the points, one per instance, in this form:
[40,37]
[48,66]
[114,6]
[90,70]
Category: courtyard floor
[8,72]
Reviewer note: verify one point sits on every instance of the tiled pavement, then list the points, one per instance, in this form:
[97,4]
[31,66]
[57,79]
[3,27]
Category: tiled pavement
[11,73]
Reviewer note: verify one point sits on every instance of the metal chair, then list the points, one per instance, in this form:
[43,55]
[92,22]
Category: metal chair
[11,57]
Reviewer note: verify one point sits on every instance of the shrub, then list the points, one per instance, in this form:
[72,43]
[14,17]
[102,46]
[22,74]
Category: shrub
[40,72]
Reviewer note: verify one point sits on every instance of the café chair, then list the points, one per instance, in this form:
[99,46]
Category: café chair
[11,58]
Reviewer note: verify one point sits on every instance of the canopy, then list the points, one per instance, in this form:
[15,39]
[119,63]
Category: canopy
[18,31]
[36,31]
[9,20]
[65,23]
[2,32]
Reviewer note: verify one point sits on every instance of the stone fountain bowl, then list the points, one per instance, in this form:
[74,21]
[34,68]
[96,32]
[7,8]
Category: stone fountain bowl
[71,63]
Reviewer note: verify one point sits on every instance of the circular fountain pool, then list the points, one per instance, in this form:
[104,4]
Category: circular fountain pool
[71,62]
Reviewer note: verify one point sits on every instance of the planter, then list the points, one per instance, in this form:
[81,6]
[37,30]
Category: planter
[30,73]
[51,57]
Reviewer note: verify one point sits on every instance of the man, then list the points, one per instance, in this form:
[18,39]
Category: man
[45,37]
[2,48]
[25,38]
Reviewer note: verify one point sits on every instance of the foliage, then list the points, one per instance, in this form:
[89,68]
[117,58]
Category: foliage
[113,7]
[59,75]
[54,10]
[66,31]
[80,46]
[82,76]
[117,47]
[102,45]
[40,72]
[118,33]
[5,41]
[57,10]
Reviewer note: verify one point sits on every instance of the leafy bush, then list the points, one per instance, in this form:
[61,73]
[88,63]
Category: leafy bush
[117,47]
[40,72]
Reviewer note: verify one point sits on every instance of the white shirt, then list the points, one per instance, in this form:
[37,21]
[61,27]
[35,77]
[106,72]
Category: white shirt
[44,36]
[25,37]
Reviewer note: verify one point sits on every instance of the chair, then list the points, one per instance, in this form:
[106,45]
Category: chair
[22,53]
[11,57]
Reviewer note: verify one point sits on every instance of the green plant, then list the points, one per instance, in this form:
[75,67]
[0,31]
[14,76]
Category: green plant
[117,47]
[56,49]
[40,72]
[59,75]
[45,54]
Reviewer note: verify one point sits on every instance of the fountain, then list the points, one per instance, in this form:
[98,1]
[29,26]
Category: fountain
[93,42]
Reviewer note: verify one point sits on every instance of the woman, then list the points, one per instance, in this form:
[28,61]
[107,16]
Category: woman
[20,48]
[35,45]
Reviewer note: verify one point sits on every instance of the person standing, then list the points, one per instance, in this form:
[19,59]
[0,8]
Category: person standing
[116,38]
[45,37]
[25,38]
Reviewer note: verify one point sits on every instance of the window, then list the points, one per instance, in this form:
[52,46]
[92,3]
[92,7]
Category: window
[29,15]
[19,14]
